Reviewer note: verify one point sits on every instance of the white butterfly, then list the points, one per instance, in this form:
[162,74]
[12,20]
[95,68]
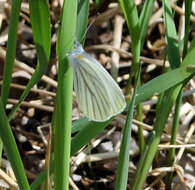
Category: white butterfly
[98,95]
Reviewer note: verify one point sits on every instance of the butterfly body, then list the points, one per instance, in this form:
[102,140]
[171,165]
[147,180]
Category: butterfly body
[98,95]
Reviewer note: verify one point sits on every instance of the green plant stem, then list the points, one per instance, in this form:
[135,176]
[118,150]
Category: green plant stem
[63,111]
[63,130]
[140,129]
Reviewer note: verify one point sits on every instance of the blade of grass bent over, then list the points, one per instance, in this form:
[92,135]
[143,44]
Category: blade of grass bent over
[40,20]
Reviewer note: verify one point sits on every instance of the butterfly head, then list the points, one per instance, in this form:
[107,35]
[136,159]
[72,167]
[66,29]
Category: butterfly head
[78,49]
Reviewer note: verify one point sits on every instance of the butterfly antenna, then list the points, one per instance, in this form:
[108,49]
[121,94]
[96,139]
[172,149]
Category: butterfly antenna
[89,26]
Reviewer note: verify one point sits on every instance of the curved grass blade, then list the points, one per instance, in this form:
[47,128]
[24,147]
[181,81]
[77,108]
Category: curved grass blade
[91,130]
[166,81]
[40,20]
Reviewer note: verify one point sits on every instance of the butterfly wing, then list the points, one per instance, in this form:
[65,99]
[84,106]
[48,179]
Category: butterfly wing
[98,95]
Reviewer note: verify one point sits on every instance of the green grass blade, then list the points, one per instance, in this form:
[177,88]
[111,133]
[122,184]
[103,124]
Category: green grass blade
[91,130]
[171,36]
[82,20]
[192,45]
[41,26]
[188,10]
[40,20]
[11,150]
[166,81]
[131,16]
[63,119]
[123,161]
[144,19]
[190,57]
[11,50]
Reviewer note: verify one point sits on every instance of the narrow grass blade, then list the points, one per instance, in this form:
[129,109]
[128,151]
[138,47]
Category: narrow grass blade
[11,150]
[188,10]
[144,19]
[11,50]
[131,16]
[123,161]
[82,20]
[171,36]
[192,45]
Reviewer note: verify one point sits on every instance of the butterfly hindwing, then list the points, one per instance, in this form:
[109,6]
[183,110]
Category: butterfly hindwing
[98,95]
